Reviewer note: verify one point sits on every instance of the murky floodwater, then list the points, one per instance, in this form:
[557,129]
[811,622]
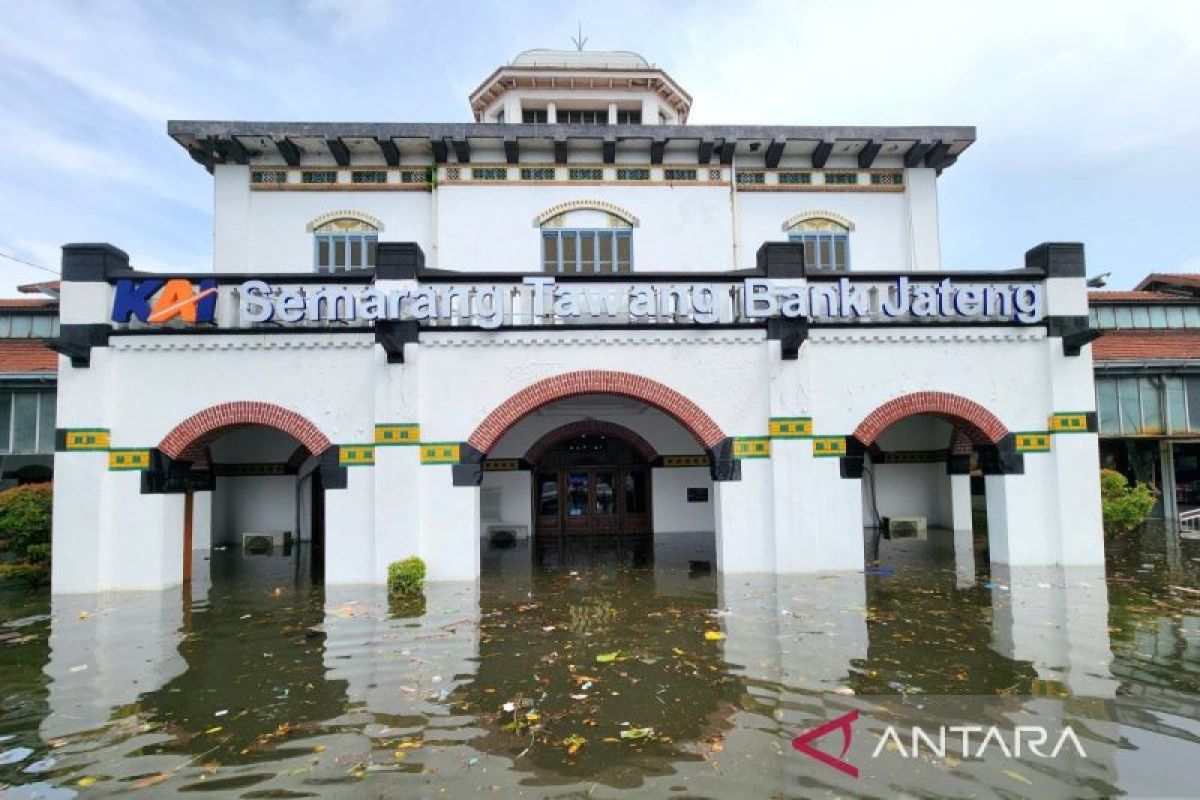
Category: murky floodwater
[659,681]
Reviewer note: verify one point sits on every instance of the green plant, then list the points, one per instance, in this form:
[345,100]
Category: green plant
[25,521]
[406,578]
[32,575]
[1125,507]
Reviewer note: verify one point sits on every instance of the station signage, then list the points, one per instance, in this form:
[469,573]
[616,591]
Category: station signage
[490,306]
[540,298]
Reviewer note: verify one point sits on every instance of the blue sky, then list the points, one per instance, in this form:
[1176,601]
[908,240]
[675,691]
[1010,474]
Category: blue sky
[1088,113]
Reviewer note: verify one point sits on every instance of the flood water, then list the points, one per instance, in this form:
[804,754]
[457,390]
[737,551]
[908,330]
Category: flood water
[661,680]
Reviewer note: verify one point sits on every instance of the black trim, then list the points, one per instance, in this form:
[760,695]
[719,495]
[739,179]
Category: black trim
[722,466]
[333,474]
[92,261]
[867,156]
[916,154]
[512,150]
[76,342]
[727,149]
[289,151]
[339,151]
[462,150]
[608,150]
[821,152]
[851,465]
[560,151]
[958,464]
[1074,331]
[781,260]
[791,334]
[392,335]
[168,476]
[657,148]
[391,153]
[704,151]
[774,153]
[469,470]
[1093,422]
[398,260]
[1057,259]
[1002,457]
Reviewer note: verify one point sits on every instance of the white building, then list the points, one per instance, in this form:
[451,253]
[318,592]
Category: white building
[726,359]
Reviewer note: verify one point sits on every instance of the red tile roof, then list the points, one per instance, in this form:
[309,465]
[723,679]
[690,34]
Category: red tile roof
[51,288]
[1190,280]
[26,355]
[28,302]
[1147,345]
[1133,297]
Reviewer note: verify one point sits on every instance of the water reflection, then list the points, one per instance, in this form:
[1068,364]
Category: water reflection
[661,679]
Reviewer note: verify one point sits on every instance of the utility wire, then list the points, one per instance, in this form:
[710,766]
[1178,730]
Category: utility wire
[29,263]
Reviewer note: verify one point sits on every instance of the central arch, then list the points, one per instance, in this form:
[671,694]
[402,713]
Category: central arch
[594,381]
[979,424]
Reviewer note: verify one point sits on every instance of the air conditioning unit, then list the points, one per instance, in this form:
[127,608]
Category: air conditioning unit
[906,527]
[264,542]
[502,535]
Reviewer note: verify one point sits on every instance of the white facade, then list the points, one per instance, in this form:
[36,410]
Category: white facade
[772,442]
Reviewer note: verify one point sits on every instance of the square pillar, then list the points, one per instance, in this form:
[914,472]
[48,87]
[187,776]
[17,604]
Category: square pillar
[397,515]
[449,525]
[1022,512]
[350,530]
[80,535]
[818,513]
[744,516]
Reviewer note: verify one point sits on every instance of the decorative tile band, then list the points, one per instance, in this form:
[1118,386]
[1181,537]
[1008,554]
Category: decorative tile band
[502,465]
[685,461]
[86,439]
[128,459]
[829,446]
[1073,422]
[752,447]
[1033,442]
[440,452]
[356,455]
[398,433]
[791,427]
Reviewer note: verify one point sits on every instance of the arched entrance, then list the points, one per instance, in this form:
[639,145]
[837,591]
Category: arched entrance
[591,489]
[923,458]
[253,482]
[598,464]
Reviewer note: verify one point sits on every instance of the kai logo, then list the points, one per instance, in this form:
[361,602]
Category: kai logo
[155,300]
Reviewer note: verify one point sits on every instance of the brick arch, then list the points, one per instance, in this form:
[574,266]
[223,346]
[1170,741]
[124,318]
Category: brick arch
[979,424]
[595,381]
[589,426]
[187,440]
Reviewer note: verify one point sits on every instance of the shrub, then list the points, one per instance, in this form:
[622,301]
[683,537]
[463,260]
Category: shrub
[406,578]
[1125,507]
[25,522]
[32,575]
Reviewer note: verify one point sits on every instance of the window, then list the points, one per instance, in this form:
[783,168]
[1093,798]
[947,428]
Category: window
[534,116]
[841,178]
[826,243]
[676,174]
[489,173]
[633,174]
[744,178]
[587,250]
[319,176]
[369,176]
[268,176]
[343,244]
[26,421]
[795,178]
[537,173]
[629,117]
[585,174]
[28,326]
[583,116]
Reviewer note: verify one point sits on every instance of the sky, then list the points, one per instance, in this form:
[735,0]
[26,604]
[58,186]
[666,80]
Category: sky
[1088,114]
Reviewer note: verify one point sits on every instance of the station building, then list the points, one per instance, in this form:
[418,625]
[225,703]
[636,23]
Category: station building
[577,319]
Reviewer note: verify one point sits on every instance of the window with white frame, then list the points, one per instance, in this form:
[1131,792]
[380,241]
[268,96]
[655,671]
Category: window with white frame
[26,421]
[826,243]
[587,241]
[344,244]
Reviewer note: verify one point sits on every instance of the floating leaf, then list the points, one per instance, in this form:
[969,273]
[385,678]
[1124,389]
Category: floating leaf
[1018,777]
[605,658]
[151,780]
[15,755]
[637,733]
[713,636]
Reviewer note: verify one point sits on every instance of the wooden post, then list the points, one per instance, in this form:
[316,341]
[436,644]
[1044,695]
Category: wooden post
[187,536]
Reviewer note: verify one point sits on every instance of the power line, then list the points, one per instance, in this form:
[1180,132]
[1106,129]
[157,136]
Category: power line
[29,263]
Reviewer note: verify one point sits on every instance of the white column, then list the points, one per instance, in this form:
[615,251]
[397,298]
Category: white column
[551,113]
[960,503]
[231,220]
[449,525]
[397,516]
[80,521]
[350,530]
[924,237]
[818,513]
[1022,514]
[612,113]
[743,514]
[144,545]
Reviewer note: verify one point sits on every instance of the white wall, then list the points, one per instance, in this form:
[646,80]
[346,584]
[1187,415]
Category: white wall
[912,490]
[672,512]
